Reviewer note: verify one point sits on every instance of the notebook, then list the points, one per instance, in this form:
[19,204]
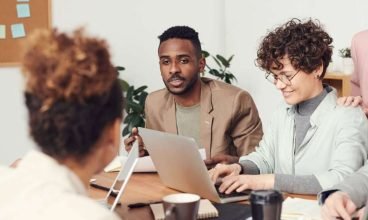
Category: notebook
[205,210]
[121,180]
[180,166]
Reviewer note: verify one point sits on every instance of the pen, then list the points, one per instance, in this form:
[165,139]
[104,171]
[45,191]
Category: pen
[142,204]
[95,185]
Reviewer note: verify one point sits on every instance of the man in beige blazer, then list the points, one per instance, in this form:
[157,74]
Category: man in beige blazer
[222,118]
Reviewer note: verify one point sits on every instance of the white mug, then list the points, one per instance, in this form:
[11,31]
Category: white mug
[181,206]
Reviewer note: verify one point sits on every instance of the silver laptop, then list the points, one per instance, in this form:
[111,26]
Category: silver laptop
[121,180]
[180,166]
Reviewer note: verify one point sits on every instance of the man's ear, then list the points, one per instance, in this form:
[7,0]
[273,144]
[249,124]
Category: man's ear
[202,64]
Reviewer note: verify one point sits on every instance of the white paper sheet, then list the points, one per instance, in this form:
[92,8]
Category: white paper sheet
[144,164]
[300,209]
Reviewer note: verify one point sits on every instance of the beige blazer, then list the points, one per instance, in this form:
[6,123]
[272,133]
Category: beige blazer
[229,120]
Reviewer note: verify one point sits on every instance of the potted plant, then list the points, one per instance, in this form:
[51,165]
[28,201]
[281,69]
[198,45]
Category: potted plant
[135,99]
[345,52]
[347,62]
[223,64]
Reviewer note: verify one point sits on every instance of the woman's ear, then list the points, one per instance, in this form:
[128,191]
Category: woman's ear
[111,138]
[115,132]
[318,72]
[112,141]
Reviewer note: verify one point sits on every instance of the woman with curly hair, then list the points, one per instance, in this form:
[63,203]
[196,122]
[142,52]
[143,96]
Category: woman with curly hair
[311,143]
[74,104]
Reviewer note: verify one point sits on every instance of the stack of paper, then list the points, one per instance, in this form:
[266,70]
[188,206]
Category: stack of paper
[300,209]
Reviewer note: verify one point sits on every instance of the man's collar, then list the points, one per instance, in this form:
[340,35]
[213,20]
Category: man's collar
[206,95]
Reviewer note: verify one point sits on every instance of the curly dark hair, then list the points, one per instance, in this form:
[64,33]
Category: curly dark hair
[183,32]
[306,44]
[72,92]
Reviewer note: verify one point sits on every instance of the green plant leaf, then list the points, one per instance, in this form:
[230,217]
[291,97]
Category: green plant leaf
[223,60]
[136,98]
[124,85]
[345,52]
[215,72]
[230,58]
[137,122]
[139,90]
[218,62]
[135,107]
[142,98]
[129,94]
[129,117]
[120,68]
[205,54]
[126,130]
[127,109]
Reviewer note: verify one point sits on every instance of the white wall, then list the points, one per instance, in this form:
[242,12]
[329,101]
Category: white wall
[13,117]
[131,28]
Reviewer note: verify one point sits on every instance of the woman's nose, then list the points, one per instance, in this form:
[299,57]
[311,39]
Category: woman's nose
[280,84]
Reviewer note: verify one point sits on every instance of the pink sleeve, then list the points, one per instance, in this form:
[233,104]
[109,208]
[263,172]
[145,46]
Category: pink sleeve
[355,87]
[359,79]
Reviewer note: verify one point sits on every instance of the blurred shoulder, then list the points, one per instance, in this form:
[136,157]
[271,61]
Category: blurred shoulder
[81,207]
[224,89]
[5,172]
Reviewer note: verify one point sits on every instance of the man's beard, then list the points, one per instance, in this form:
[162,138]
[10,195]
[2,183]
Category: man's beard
[186,89]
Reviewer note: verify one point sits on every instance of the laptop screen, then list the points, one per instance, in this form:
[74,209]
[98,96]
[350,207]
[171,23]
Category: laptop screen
[121,180]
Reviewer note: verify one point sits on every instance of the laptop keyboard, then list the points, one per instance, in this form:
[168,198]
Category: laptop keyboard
[232,194]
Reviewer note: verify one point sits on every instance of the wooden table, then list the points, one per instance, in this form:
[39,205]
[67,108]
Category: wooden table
[142,187]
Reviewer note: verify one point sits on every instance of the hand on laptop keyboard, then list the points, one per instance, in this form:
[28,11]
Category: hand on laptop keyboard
[232,194]
[223,170]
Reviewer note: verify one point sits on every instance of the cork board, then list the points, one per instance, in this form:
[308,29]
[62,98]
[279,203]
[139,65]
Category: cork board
[18,18]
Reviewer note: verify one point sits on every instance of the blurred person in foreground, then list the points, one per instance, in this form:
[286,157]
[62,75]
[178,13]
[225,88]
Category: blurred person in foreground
[346,198]
[74,104]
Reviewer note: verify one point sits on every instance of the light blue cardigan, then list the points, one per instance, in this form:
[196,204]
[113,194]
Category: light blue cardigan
[336,145]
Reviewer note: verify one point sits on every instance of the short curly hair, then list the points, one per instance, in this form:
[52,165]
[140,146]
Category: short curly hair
[306,44]
[72,92]
[183,32]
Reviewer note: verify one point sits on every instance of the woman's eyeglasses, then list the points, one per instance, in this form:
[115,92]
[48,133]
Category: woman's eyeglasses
[272,78]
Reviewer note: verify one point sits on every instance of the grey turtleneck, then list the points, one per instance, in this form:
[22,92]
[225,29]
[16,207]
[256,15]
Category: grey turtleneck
[304,110]
[303,184]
